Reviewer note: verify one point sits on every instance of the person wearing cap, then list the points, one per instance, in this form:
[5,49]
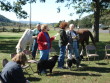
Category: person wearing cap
[63,41]
[37,30]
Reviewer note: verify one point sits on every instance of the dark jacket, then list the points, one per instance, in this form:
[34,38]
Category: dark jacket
[63,38]
[70,39]
[12,73]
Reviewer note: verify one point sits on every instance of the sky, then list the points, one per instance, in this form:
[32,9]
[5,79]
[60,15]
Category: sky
[45,12]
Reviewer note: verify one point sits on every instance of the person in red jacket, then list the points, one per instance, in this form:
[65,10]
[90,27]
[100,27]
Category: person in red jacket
[44,42]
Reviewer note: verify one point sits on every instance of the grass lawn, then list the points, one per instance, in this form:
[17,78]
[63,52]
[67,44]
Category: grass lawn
[91,71]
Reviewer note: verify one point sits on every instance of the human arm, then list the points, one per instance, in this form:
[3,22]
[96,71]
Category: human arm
[34,36]
[75,37]
[63,37]
[35,33]
[41,39]
[18,75]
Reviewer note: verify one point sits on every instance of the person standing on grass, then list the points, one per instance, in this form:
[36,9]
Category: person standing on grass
[73,44]
[44,42]
[12,72]
[36,31]
[63,41]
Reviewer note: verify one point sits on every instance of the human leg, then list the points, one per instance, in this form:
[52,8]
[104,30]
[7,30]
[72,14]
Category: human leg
[34,49]
[62,56]
[75,49]
[76,52]
[44,54]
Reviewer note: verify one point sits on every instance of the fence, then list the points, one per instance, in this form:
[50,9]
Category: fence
[11,29]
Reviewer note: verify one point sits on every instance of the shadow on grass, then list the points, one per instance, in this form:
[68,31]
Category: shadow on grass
[8,46]
[100,49]
[9,38]
[61,73]
[33,79]
[102,63]
[96,69]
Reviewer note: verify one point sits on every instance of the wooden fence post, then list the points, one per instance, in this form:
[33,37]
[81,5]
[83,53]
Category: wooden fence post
[3,29]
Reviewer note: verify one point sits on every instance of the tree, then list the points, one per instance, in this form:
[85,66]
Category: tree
[96,6]
[16,7]
[86,22]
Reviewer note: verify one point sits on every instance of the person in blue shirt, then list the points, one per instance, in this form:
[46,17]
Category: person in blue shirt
[12,72]
[37,30]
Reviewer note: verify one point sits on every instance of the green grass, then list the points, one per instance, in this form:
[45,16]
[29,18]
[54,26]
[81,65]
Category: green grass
[91,71]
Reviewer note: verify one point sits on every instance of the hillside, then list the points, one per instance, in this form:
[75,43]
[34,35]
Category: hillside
[4,19]
[86,21]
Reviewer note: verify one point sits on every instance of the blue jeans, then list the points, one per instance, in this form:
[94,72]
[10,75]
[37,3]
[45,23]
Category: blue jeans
[34,48]
[62,56]
[44,54]
[73,50]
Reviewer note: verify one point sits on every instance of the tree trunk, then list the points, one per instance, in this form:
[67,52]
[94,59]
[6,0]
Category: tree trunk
[96,22]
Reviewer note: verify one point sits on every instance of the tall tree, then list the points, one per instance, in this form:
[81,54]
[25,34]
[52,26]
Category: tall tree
[96,6]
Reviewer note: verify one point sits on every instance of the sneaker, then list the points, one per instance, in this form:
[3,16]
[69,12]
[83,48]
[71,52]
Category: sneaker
[61,67]
[80,66]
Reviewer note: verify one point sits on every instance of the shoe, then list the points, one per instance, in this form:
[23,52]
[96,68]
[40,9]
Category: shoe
[33,58]
[61,67]
[80,66]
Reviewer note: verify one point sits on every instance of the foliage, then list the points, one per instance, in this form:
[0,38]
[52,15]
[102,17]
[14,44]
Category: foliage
[16,7]
[87,21]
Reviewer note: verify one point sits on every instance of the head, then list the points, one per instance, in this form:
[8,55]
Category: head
[63,25]
[44,27]
[71,27]
[38,26]
[20,58]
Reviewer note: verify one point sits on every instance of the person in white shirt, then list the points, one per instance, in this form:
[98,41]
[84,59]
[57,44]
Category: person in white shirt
[73,44]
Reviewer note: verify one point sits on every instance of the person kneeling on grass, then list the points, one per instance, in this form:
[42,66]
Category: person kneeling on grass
[12,72]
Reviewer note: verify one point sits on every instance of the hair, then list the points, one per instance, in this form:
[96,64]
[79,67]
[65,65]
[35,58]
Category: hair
[20,58]
[44,26]
[63,25]
[37,25]
[71,25]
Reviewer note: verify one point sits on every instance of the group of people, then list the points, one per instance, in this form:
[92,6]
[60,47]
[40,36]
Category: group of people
[12,72]
[68,40]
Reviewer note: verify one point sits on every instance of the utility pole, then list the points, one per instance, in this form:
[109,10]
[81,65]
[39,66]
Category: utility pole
[30,15]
